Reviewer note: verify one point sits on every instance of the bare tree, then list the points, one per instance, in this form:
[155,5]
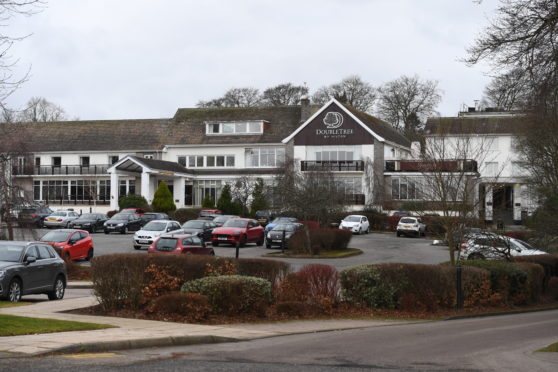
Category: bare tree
[407,102]
[38,109]
[352,90]
[235,97]
[508,91]
[284,94]
[242,190]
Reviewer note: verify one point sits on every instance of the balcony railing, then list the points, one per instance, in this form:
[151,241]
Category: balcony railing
[98,169]
[355,199]
[333,165]
[441,165]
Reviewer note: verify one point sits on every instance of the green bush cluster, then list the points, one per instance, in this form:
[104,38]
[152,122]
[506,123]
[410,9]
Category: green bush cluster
[185,214]
[320,240]
[132,201]
[163,200]
[363,285]
[233,294]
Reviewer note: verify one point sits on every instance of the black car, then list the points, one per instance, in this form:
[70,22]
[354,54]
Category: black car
[146,217]
[30,268]
[264,217]
[220,220]
[201,227]
[33,216]
[91,222]
[122,223]
[275,235]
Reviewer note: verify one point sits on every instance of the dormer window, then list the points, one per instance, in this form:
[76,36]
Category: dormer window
[229,128]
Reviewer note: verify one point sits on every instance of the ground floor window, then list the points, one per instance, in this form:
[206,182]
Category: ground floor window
[403,188]
[204,188]
[60,191]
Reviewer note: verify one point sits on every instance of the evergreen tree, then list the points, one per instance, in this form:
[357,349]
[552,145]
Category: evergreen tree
[225,203]
[259,200]
[208,202]
[163,199]
[132,201]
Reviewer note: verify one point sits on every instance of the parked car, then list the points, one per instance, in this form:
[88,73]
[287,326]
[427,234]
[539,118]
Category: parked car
[264,217]
[493,247]
[70,244]
[138,211]
[60,219]
[410,226]
[401,213]
[150,216]
[220,220]
[152,230]
[180,244]
[33,216]
[30,268]
[209,214]
[238,231]
[122,223]
[356,224]
[277,220]
[91,222]
[202,228]
[275,236]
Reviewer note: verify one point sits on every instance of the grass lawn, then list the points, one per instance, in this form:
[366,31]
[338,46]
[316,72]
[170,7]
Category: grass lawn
[18,325]
[323,254]
[4,304]
[551,348]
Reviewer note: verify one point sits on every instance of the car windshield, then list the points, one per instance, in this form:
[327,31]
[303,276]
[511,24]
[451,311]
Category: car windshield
[56,236]
[87,216]
[260,214]
[206,213]
[10,253]
[222,219]
[284,219]
[235,223]
[120,216]
[352,219]
[166,244]
[408,220]
[59,214]
[193,224]
[524,245]
[155,226]
[285,227]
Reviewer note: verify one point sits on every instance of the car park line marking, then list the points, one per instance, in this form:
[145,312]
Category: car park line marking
[91,356]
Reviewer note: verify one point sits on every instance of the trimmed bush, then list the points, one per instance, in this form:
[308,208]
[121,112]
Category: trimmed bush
[271,270]
[549,262]
[322,282]
[552,288]
[293,288]
[163,200]
[111,213]
[233,294]
[193,306]
[363,285]
[132,201]
[185,214]
[320,239]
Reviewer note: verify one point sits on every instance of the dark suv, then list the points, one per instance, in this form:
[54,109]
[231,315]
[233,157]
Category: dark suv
[33,216]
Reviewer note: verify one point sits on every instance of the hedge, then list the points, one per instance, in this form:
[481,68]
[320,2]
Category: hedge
[320,239]
[549,262]
[185,214]
[233,294]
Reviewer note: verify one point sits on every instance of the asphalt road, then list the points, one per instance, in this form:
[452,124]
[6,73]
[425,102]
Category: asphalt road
[499,343]
[376,247]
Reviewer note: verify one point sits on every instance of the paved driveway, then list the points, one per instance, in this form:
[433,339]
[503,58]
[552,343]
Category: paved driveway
[377,247]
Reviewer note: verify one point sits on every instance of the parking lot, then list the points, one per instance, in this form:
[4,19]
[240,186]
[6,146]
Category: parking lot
[376,247]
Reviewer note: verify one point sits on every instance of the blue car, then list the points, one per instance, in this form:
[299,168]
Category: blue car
[277,220]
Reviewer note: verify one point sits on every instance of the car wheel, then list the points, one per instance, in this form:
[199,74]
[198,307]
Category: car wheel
[359,231]
[242,241]
[137,247]
[93,229]
[215,244]
[398,233]
[58,289]
[14,290]
[367,230]
[106,231]
[89,254]
[124,230]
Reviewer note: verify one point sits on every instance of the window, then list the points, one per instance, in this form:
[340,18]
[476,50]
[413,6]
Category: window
[54,190]
[333,153]
[56,161]
[84,161]
[519,169]
[197,161]
[211,161]
[235,127]
[113,159]
[38,161]
[405,189]
[493,143]
[264,157]
[148,156]
[491,169]
[182,160]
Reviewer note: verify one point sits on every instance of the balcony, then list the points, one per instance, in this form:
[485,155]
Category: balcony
[441,165]
[333,165]
[54,170]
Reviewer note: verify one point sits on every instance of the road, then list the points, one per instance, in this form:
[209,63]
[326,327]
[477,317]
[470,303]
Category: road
[499,343]
[376,247]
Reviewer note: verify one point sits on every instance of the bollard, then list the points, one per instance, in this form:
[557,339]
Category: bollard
[237,249]
[283,243]
[458,287]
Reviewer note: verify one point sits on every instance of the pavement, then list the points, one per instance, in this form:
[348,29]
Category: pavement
[138,333]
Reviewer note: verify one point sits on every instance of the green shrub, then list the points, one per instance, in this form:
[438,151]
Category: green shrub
[163,200]
[549,262]
[233,294]
[111,213]
[208,202]
[225,203]
[552,288]
[185,214]
[363,285]
[271,270]
[193,306]
[132,201]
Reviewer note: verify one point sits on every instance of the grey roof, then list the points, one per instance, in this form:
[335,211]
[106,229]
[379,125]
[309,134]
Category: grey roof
[162,165]
[512,124]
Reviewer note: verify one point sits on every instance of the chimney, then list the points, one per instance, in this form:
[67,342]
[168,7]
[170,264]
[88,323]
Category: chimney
[304,109]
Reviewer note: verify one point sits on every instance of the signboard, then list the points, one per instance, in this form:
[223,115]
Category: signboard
[333,127]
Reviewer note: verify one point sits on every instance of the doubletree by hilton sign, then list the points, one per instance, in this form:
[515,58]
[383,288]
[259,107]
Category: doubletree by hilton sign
[333,127]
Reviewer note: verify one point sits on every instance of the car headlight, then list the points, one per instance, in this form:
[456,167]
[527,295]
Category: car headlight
[269,235]
[106,223]
[120,224]
[2,274]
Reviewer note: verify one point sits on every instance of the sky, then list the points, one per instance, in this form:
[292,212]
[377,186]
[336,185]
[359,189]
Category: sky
[131,59]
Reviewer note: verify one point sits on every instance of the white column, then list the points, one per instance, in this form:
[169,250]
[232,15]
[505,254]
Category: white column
[114,191]
[488,204]
[178,191]
[146,187]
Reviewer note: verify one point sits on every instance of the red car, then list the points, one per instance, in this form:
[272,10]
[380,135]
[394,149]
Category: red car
[238,231]
[180,244]
[70,244]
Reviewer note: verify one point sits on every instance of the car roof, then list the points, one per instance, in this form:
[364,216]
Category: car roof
[178,236]
[18,242]
[165,221]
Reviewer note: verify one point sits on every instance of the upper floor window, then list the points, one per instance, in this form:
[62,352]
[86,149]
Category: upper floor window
[199,161]
[264,157]
[333,153]
[234,127]
[56,161]
[84,161]
[148,156]
[113,159]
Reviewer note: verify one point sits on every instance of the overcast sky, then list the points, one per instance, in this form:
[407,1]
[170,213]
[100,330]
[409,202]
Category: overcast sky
[125,59]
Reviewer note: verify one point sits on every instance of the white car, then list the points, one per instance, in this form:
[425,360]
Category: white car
[491,247]
[60,219]
[357,224]
[410,226]
[152,230]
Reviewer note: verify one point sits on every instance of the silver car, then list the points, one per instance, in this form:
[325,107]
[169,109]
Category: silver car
[60,219]
[152,230]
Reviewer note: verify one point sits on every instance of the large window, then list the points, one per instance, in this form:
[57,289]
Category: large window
[264,157]
[234,127]
[405,188]
[199,161]
[333,153]
[55,190]
[203,188]
[72,191]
